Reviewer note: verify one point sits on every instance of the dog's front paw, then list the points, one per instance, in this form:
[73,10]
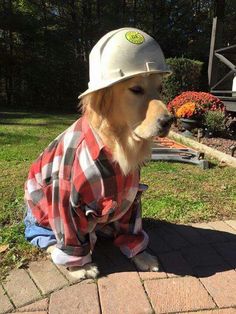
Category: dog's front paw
[146,262]
[87,271]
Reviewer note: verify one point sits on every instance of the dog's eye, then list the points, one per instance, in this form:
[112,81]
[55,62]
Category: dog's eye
[137,90]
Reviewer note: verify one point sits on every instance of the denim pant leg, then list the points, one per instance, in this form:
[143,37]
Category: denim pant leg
[37,235]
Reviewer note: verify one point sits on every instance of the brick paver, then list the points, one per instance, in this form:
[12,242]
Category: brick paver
[205,250]
[117,260]
[104,264]
[152,275]
[228,252]
[229,232]
[217,311]
[170,236]
[190,234]
[78,299]
[21,288]
[67,274]
[175,265]
[222,287]
[202,256]
[209,234]
[34,312]
[123,293]
[174,295]
[5,304]
[231,223]
[157,244]
[41,305]
[47,276]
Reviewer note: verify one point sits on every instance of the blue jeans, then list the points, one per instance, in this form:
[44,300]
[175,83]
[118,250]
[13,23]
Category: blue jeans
[38,236]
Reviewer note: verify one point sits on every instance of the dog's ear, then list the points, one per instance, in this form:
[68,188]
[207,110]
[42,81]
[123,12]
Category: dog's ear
[99,102]
[105,102]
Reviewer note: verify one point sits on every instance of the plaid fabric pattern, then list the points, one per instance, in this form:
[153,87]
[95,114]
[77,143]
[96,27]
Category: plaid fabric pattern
[76,189]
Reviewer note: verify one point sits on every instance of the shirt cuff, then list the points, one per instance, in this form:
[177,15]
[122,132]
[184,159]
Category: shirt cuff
[131,245]
[59,257]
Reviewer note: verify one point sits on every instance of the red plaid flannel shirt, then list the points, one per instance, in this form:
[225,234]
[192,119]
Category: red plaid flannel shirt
[75,189]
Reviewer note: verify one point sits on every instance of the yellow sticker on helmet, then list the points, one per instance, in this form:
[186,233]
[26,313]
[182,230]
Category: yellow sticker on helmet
[134,37]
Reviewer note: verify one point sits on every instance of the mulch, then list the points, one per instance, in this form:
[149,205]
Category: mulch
[222,143]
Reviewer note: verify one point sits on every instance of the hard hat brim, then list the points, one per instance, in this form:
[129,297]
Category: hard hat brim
[110,83]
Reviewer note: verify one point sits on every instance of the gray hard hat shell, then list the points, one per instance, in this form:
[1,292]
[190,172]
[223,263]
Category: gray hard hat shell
[122,54]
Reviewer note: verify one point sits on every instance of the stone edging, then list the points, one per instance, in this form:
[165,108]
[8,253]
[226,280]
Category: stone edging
[222,157]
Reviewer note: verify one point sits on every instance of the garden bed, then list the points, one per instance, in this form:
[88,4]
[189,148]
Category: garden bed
[222,144]
[204,118]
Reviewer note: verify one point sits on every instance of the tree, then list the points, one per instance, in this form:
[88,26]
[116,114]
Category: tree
[45,44]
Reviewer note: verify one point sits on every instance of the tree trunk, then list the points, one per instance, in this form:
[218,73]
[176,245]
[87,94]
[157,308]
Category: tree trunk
[9,78]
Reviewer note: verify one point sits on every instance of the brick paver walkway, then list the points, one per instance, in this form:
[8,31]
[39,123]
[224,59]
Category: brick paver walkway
[197,276]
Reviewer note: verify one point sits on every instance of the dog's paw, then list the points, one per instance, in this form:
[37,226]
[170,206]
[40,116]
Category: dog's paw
[49,250]
[87,271]
[146,262]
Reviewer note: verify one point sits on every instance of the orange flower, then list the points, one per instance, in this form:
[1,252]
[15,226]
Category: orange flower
[186,110]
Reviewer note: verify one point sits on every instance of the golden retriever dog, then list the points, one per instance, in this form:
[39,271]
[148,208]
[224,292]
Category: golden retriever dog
[127,116]
[86,182]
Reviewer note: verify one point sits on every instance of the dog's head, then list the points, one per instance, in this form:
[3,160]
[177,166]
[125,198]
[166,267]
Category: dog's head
[137,102]
[132,105]
[127,115]
[122,101]
[126,69]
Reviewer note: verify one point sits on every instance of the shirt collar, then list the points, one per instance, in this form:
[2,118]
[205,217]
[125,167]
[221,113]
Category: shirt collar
[93,140]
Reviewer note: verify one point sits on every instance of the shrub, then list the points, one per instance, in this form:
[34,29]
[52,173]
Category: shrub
[186,76]
[215,121]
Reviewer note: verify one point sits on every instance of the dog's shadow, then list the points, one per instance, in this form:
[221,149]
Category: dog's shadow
[199,251]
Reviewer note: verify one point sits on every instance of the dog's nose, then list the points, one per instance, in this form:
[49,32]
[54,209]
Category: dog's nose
[165,121]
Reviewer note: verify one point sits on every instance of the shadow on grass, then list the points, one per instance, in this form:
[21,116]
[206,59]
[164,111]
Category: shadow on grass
[182,250]
[7,118]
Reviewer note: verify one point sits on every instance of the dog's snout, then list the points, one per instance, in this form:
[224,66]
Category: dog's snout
[166,121]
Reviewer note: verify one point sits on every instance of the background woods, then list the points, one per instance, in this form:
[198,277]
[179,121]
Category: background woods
[44,45]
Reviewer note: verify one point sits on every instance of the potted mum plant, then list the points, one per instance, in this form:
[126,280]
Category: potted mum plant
[190,108]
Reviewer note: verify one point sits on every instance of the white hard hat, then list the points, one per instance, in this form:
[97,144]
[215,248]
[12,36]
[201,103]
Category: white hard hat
[122,54]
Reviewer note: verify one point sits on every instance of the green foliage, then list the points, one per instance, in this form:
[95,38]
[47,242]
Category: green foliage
[215,121]
[45,45]
[186,76]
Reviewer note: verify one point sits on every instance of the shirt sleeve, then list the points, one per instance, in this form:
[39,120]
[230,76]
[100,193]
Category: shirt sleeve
[70,227]
[131,238]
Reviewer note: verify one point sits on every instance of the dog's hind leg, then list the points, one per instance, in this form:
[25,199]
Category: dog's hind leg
[146,262]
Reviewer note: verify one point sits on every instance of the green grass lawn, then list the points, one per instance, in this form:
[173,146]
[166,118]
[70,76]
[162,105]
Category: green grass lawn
[185,193]
[177,192]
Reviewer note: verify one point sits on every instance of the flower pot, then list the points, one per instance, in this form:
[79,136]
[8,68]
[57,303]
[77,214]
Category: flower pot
[190,124]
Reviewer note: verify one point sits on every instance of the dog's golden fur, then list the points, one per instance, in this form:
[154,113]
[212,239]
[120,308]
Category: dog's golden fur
[126,117]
